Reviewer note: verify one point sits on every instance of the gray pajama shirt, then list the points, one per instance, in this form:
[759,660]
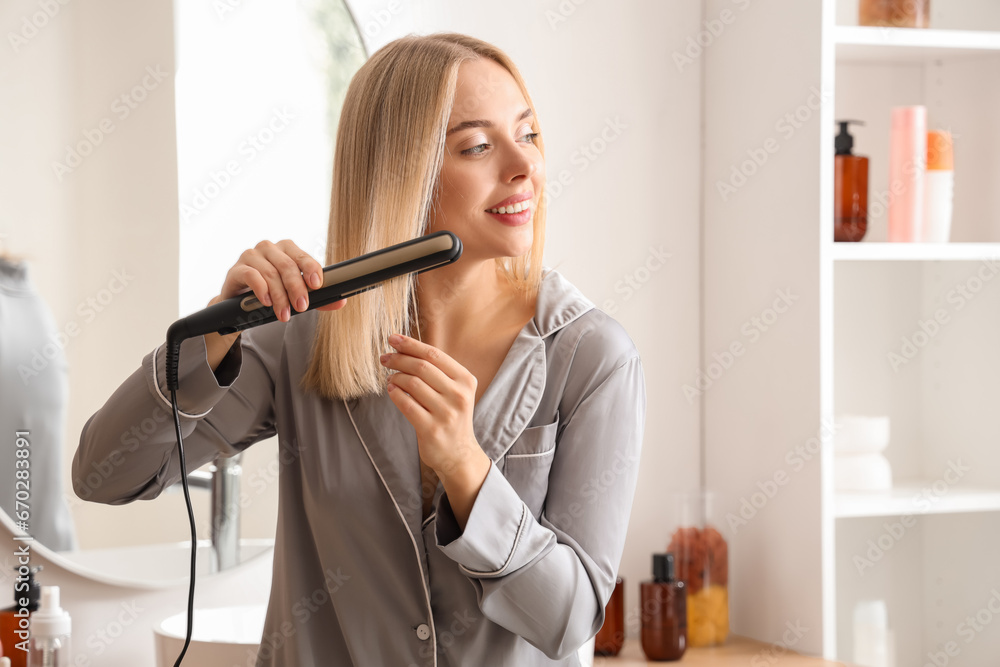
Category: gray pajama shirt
[524,584]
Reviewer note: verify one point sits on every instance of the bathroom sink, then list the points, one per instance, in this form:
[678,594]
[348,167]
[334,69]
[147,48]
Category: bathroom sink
[231,636]
[221,637]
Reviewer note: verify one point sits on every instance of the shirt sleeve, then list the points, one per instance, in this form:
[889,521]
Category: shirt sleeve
[548,580]
[128,448]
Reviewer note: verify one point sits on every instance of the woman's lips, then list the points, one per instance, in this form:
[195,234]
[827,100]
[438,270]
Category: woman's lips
[513,219]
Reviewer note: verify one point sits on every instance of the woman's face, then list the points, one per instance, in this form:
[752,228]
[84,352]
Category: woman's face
[490,159]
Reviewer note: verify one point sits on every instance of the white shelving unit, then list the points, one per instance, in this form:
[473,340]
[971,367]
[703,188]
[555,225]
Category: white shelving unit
[916,498]
[904,330]
[916,251]
[901,45]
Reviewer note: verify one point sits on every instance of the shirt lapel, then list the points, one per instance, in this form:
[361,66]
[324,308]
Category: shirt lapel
[391,444]
[513,395]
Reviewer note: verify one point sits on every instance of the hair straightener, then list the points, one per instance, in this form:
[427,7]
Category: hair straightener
[245,311]
[339,280]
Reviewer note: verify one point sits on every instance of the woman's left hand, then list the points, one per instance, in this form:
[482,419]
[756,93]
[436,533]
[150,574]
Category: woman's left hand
[438,397]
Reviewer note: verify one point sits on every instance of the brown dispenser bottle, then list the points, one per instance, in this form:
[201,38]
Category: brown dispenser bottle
[850,188]
[611,637]
[664,612]
[14,620]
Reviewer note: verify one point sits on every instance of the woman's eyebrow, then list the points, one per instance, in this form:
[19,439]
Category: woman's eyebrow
[466,124]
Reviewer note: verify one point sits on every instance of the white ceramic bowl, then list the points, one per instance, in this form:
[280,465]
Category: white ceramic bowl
[221,637]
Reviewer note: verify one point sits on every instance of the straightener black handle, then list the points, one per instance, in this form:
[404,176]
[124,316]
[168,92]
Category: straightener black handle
[341,280]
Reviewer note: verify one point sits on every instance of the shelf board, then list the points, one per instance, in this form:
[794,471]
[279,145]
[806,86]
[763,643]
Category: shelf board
[915,498]
[911,45]
[871,251]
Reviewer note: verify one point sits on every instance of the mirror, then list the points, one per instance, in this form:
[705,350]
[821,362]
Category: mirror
[148,159]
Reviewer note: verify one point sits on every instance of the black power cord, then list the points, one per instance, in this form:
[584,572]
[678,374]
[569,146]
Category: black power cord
[194,532]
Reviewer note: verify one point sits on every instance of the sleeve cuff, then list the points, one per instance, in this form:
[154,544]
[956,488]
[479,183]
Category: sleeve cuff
[199,387]
[493,532]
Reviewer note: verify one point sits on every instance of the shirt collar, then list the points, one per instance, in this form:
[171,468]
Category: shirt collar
[559,303]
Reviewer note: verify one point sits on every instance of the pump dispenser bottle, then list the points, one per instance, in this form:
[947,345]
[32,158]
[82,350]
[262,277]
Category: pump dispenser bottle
[14,629]
[664,612]
[50,629]
[850,188]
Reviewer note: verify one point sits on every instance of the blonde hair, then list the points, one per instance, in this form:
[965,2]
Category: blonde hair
[389,152]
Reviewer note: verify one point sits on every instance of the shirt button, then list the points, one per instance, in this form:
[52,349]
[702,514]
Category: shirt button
[423,632]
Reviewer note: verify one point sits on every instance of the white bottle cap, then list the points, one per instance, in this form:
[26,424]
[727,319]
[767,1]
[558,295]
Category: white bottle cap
[4,662]
[50,620]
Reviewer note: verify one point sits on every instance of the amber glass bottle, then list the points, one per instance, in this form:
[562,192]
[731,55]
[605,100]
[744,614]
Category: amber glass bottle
[850,188]
[895,13]
[611,636]
[664,612]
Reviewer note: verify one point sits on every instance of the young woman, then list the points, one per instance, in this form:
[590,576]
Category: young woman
[455,495]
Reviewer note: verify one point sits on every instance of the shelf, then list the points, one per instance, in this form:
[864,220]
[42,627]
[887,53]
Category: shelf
[915,498]
[911,45]
[736,651]
[915,251]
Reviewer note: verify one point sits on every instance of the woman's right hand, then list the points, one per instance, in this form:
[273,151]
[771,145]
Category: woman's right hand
[277,273]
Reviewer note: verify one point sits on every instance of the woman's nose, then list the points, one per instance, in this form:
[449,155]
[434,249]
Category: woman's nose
[520,161]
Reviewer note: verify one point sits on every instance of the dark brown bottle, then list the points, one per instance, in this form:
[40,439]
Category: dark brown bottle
[850,188]
[611,637]
[664,612]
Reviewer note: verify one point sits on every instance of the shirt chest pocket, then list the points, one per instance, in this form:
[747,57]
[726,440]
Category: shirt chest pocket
[527,463]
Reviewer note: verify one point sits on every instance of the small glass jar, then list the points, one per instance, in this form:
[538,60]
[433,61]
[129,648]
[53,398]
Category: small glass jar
[895,13]
[701,556]
[611,636]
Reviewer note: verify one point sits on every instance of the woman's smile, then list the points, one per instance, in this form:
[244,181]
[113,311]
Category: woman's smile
[516,217]
[515,210]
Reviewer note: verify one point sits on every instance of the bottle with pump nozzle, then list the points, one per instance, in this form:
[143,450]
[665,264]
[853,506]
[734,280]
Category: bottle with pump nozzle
[664,612]
[15,619]
[50,631]
[850,188]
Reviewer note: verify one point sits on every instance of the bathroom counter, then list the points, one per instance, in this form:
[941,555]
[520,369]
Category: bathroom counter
[736,651]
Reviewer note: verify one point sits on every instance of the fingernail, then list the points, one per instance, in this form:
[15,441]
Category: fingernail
[286,313]
[315,280]
[301,304]
[395,339]
[266,300]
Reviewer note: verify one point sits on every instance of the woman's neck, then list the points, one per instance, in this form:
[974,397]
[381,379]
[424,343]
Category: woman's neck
[459,303]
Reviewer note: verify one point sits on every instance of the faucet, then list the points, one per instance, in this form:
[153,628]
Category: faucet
[223,480]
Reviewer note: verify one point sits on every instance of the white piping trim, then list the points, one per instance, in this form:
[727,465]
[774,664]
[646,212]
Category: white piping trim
[529,456]
[517,539]
[416,550]
[169,404]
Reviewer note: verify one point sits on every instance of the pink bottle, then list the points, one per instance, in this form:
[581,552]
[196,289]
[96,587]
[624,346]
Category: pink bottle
[907,165]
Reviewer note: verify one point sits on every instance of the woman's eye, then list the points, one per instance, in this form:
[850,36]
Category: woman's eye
[475,150]
[481,148]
